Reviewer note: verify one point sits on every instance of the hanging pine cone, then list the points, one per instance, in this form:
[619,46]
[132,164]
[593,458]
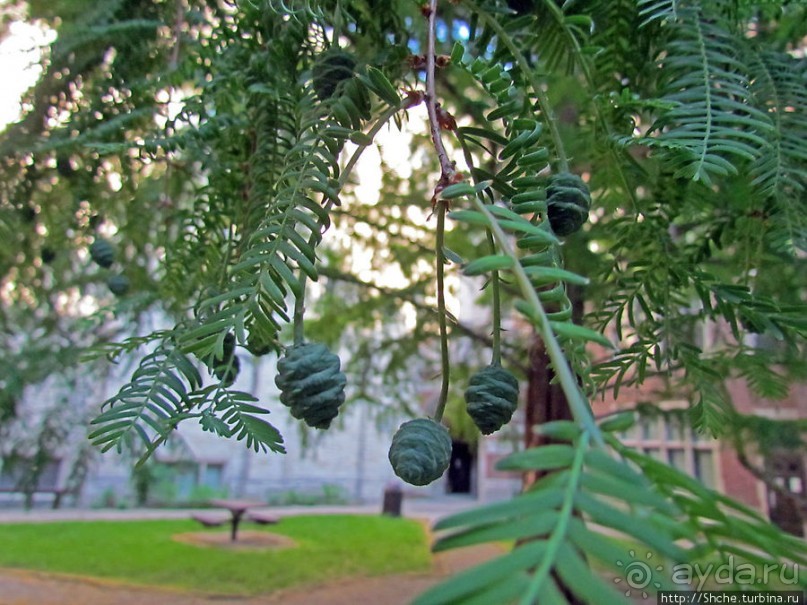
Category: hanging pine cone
[567,203]
[118,284]
[491,398]
[258,345]
[332,68]
[227,349]
[228,372]
[420,451]
[48,255]
[226,366]
[311,384]
[102,252]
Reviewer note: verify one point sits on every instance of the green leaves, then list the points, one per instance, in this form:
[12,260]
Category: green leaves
[713,123]
[732,527]
[380,85]
[278,250]
[150,405]
[658,10]
[549,457]
[574,332]
[780,170]
[167,389]
[550,527]
[486,264]
[587,517]
[532,267]
[247,176]
[233,414]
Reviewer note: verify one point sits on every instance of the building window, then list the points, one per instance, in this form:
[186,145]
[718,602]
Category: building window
[670,438]
[788,470]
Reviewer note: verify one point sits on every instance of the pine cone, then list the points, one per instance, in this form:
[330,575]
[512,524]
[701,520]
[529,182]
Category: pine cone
[567,202]
[311,384]
[420,451]
[258,346]
[491,398]
[331,69]
[228,372]
[118,284]
[102,252]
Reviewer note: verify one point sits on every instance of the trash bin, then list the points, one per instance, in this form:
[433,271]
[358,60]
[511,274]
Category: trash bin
[393,498]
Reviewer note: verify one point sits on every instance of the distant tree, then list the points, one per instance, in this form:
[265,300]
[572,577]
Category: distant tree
[617,172]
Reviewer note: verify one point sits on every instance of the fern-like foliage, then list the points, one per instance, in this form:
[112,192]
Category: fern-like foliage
[148,407]
[256,258]
[302,10]
[617,35]
[658,10]
[713,123]
[553,522]
[249,175]
[166,389]
[234,414]
[548,523]
[278,252]
[538,272]
[780,171]
[522,156]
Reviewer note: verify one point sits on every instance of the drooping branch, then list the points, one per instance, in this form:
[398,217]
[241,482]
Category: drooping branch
[447,174]
[445,363]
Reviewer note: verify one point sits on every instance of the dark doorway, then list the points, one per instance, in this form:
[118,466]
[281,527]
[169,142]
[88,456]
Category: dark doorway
[461,468]
[788,473]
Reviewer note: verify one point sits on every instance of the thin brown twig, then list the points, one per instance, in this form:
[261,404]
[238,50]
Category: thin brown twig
[447,169]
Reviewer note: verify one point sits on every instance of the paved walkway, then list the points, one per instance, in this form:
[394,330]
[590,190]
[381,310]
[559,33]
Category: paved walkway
[418,508]
[33,588]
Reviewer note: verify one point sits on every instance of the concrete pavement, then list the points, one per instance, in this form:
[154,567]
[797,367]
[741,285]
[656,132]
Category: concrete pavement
[416,507]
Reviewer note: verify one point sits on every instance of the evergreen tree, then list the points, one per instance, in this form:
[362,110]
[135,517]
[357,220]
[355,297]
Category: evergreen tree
[191,158]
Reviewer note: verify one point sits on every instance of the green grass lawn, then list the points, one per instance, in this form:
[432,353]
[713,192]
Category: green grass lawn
[142,552]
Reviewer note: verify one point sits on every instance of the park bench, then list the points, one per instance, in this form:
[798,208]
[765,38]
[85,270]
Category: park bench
[262,518]
[57,492]
[13,480]
[211,520]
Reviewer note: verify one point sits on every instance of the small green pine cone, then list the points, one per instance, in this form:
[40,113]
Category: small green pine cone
[102,252]
[567,202]
[491,398]
[228,372]
[311,384]
[332,68]
[226,366]
[258,345]
[420,451]
[118,285]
